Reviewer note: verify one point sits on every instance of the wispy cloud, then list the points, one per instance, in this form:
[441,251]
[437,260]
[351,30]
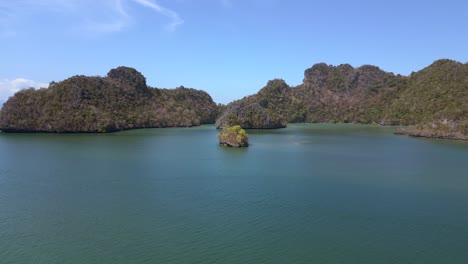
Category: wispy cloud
[10,87]
[90,15]
[176,20]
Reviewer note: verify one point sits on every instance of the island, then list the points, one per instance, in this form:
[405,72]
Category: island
[119,101]
[233,136]
[432,102]
[363,95]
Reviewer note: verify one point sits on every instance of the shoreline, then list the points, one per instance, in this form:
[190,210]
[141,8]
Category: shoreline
[410,131]
[427,133]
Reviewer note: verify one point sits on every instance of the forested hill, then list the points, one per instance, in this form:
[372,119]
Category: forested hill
[435,98]
[121,100]
[358,95]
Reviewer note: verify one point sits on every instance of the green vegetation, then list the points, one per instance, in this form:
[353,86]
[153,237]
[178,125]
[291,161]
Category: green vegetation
[120,101]
[233,136]
[437,92]
[328,94]
[332,94]
[438,129]
[366,95]
[263,110]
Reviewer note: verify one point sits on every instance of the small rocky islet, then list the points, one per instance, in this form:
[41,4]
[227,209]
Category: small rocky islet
[432,102]
[233,136]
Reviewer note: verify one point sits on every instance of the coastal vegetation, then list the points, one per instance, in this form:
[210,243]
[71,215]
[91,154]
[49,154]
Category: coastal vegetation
[365,95]
[233,136]
[433,101]
[250,112]
[121,100]
[443,129]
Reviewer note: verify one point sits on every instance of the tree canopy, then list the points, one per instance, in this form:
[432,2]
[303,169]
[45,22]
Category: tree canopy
[120,101]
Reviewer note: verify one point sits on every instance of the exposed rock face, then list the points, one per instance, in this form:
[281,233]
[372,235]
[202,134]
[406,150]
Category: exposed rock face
[346,94]
[233,136]
[129,76]
[120,101]
[328,94]
[366,95]
[250,116]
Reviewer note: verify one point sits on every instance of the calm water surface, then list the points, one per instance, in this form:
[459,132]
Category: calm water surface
[304,194]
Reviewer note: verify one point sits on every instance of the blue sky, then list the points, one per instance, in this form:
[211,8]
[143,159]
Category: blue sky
[229,48]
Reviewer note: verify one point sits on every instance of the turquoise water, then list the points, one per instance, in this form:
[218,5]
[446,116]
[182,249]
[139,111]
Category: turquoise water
[304,194]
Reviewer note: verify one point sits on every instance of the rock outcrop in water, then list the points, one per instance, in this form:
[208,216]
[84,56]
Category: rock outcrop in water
[121,100]
[233,136]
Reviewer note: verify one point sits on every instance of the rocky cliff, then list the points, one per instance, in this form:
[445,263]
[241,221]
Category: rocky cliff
[367,94]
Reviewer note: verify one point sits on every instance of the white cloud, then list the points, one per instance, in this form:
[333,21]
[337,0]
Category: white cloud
[10,87]
[89,15]
[176,20]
